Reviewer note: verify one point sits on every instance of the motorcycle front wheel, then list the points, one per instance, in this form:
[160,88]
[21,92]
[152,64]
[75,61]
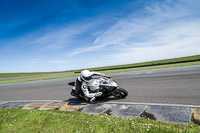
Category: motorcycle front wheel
[120,93]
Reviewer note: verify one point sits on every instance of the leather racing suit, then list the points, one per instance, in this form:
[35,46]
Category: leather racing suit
[82,88]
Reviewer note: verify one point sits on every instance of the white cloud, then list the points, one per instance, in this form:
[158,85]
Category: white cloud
[56,39]
[87,49]
[69,35]
[162,30]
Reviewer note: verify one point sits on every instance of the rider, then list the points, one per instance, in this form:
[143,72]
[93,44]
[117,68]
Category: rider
[82,83]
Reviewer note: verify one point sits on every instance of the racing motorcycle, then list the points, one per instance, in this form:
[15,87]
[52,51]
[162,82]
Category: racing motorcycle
[107,85]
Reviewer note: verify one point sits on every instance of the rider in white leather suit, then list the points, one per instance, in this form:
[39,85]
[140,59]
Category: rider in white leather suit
[82,83]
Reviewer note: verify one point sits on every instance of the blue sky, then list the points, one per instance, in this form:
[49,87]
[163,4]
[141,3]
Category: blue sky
[57,35]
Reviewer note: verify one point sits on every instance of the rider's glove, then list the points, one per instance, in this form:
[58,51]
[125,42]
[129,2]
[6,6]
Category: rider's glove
[98,94]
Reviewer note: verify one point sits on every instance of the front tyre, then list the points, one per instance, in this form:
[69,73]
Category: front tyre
[120,93]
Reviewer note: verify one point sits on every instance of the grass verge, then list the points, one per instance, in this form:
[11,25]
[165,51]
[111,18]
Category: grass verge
[153,67]
[23,121]
[10,75]
[39,78]
[174,60]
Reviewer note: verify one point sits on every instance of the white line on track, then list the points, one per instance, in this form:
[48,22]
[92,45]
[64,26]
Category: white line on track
[155,104]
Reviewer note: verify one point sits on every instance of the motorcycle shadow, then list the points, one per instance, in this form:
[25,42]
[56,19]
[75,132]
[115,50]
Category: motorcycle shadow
[79,101]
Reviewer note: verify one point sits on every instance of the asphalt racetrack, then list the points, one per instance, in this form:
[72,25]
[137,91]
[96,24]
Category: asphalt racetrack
[163,86]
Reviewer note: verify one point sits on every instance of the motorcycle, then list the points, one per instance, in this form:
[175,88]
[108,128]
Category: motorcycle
[107,85]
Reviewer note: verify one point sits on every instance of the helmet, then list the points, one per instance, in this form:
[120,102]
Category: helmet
[86,75]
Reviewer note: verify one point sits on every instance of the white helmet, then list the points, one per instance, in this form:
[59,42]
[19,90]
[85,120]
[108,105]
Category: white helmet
[86,75]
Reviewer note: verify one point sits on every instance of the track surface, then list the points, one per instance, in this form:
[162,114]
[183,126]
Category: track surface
[165,86]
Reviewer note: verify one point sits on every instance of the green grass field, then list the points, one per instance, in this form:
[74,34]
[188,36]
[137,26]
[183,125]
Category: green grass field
[53,121]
